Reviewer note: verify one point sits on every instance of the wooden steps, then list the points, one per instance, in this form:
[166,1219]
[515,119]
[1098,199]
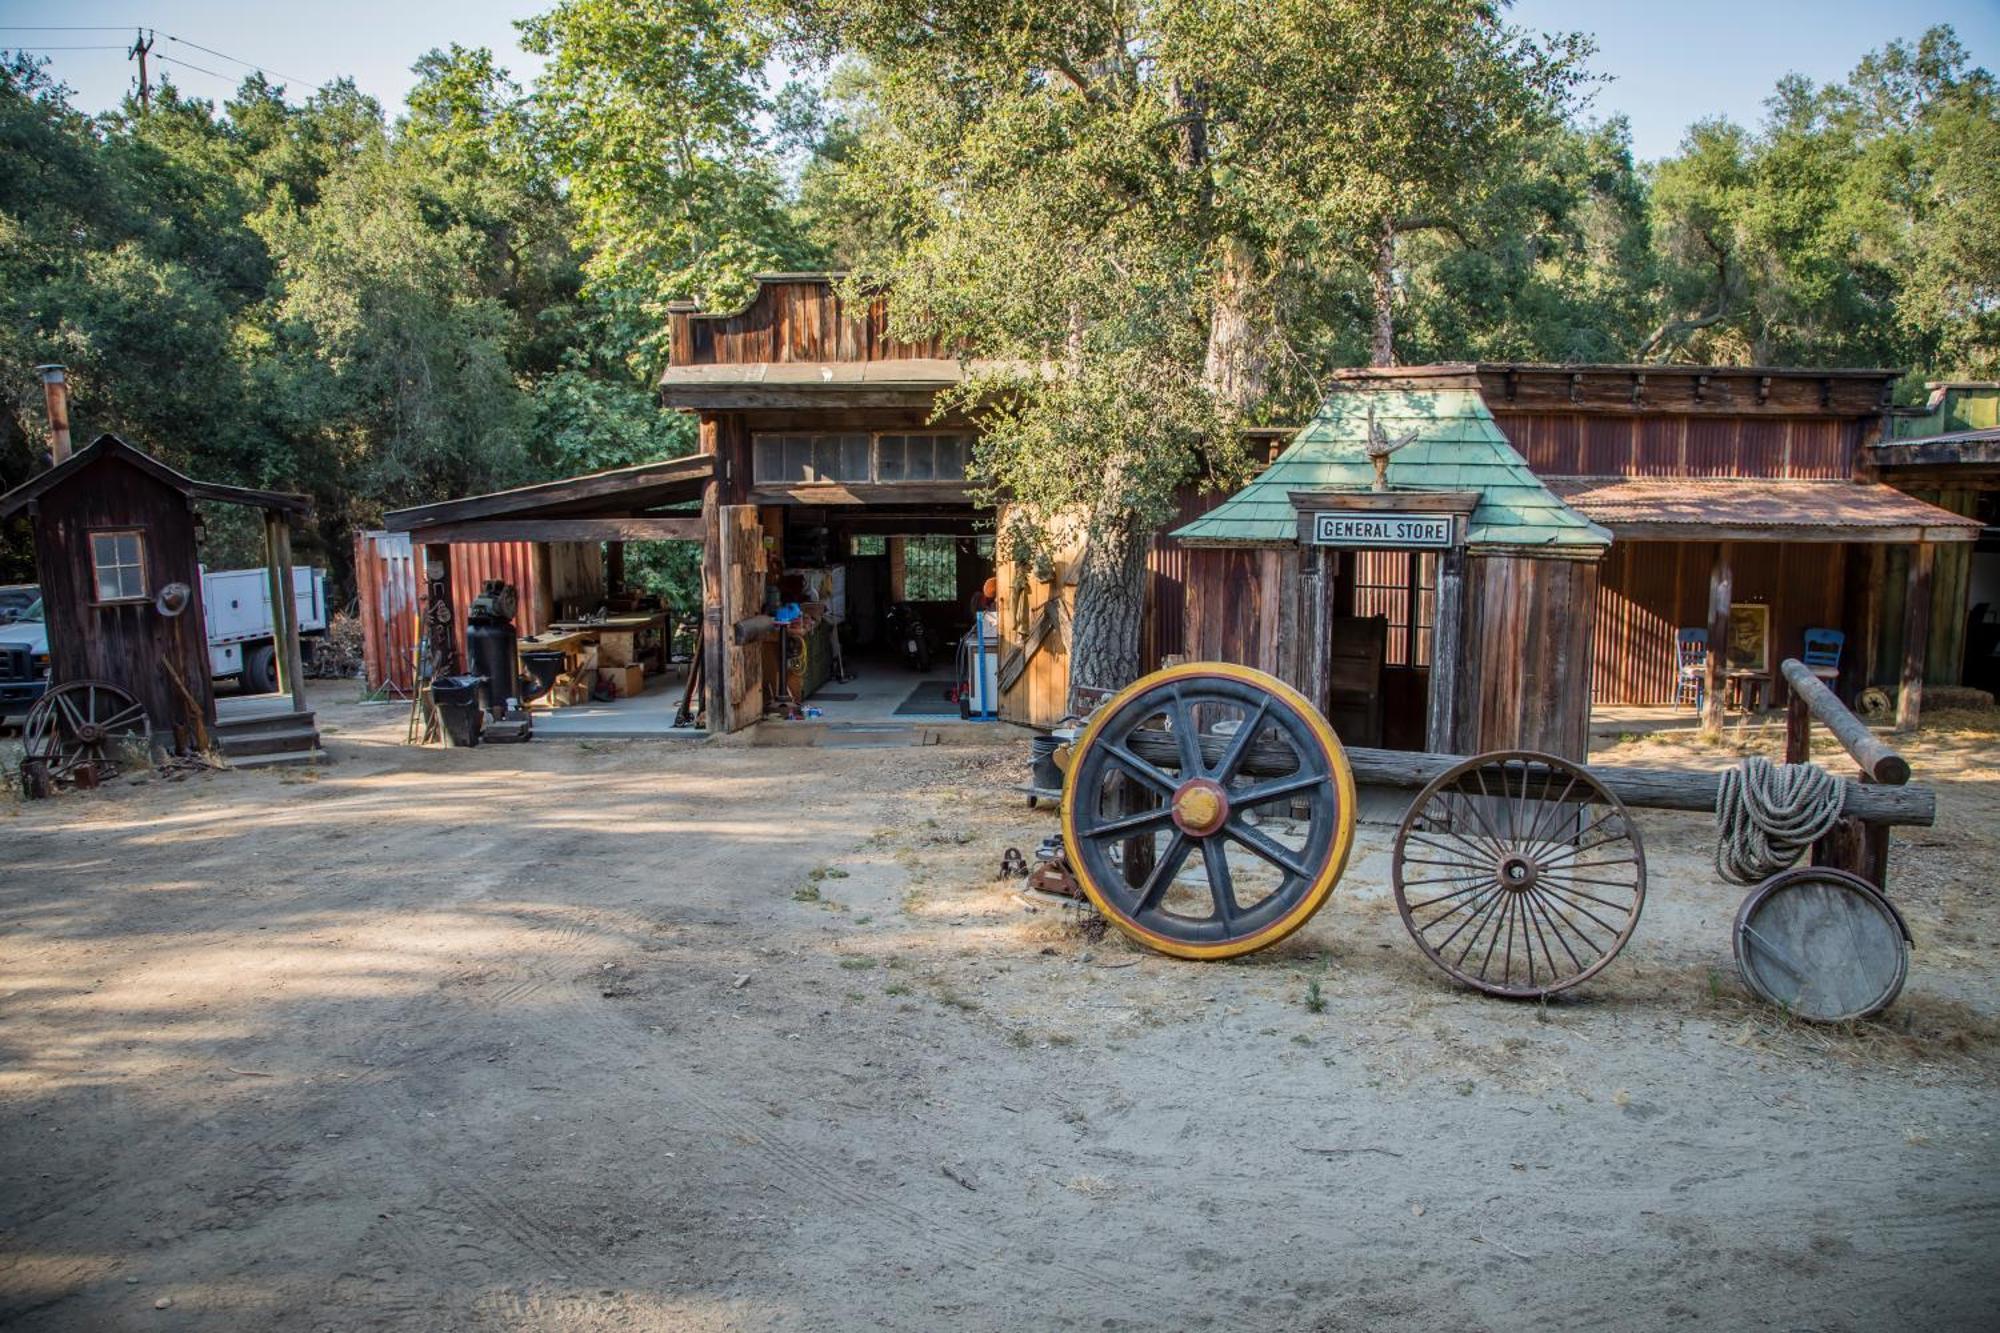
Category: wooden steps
[252,733]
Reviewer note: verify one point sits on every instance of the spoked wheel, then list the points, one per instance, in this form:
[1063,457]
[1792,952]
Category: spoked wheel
[1209,810]
[85,722]
[1519,873]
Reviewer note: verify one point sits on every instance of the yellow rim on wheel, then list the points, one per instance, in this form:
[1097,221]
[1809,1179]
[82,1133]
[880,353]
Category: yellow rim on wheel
[1208,810]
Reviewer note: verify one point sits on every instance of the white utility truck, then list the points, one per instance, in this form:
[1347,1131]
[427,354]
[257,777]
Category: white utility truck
[237,603]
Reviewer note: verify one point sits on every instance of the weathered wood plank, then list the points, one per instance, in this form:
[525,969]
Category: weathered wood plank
[688,528]
[1648,788]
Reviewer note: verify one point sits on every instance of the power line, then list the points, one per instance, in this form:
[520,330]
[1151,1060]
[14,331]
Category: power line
[122,27]
[199,69]
[247,64]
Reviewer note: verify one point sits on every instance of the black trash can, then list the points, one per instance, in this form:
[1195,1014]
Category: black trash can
[461,706]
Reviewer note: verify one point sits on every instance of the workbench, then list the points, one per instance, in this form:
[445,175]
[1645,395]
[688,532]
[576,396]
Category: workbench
[625,639]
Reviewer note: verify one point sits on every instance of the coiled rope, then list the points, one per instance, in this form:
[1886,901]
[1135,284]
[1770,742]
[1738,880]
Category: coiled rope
[1767,815]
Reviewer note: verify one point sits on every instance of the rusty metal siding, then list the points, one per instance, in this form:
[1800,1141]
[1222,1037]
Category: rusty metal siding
[1168,568]
[472,563]
[390,587]
[1652,590]
[386,589]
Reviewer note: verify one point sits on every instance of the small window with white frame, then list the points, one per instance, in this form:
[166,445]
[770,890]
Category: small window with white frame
[119,561]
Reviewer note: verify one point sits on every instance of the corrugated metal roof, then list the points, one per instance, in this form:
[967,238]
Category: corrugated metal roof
[1458,447]
[1860,511]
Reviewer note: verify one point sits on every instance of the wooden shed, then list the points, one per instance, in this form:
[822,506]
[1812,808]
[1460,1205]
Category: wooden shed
[113,527]
[1445,603]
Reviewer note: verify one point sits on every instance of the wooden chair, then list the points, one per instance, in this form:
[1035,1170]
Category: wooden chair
[1822,652]
[1691,667]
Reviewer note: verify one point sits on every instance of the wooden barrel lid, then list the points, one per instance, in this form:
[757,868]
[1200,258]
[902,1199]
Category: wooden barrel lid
[1822,944]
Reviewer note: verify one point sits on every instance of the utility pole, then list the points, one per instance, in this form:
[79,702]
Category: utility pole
[142,42]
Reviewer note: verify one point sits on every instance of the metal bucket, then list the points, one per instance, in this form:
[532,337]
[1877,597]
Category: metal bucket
[1044,774]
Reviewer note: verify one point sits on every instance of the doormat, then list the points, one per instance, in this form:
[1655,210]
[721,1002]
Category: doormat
[929,697]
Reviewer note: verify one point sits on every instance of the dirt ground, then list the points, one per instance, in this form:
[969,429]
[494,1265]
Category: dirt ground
[657,1035]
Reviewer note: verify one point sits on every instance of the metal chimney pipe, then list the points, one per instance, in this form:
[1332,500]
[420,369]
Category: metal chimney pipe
[55,390]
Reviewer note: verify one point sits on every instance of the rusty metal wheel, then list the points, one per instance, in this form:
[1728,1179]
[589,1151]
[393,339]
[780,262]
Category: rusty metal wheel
[85,722]
[1208,810]
[1519,873]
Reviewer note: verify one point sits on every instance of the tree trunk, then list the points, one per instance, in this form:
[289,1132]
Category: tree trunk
[1238,364]
[1110,605]
[1383,349]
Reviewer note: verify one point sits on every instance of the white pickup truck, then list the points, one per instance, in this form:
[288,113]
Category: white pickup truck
[235,602]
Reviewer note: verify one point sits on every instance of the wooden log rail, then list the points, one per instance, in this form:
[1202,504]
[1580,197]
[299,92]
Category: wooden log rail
[1811,702]
[1859,843]
[1645,788]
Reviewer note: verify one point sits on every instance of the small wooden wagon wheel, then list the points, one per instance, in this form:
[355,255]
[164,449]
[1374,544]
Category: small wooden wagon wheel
[84,722]
[1822,944]
[1519,873]
[1208,810]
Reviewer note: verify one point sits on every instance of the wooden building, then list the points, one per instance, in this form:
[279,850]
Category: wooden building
[1947,452]
[113,527]
[817,448]
[1738,503]
[825,448]
[1498,578]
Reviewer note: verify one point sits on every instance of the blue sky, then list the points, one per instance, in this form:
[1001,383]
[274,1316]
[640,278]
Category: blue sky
[1670,63]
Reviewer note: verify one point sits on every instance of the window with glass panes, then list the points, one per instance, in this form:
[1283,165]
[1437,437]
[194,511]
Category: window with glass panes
[119,561]
[785,457]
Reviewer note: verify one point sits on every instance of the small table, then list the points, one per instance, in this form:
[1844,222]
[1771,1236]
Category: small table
[1748,683]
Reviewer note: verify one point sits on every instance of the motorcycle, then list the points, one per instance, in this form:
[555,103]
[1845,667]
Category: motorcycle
[906,630]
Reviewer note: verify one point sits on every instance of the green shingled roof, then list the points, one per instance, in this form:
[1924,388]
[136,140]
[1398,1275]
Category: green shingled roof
[1459,447]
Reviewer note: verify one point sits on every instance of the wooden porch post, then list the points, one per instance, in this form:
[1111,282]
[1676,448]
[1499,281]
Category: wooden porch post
[1315,587]
[1720,580]
[1916,635]
[284,607]
[1447,646]
[714,654]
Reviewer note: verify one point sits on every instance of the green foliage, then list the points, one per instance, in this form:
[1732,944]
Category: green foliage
[303,295]
[652,112]
[1855,228]
[1147,224]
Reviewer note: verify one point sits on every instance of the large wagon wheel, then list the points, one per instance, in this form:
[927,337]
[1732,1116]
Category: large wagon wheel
[84,722]
[1519,873]
[1179,845]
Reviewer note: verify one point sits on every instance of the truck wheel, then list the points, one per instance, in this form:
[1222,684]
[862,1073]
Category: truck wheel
[260,670]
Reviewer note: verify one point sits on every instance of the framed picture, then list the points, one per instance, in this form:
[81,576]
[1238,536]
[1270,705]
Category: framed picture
[1749,647]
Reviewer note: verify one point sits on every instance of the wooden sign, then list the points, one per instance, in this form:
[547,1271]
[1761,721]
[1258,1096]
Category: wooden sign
[1396,531]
